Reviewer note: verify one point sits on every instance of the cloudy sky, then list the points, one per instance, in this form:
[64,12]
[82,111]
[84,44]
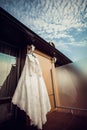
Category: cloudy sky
[63,22]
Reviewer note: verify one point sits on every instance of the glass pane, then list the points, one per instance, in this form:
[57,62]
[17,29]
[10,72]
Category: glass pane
[7,74]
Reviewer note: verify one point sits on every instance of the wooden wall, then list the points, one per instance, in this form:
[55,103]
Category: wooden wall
[48,71]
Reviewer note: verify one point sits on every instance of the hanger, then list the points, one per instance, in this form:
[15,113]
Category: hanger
[30,49]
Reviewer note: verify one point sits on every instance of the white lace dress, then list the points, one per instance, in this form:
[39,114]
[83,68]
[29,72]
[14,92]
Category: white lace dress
[31,94]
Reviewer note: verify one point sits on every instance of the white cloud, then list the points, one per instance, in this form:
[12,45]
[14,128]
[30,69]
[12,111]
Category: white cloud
[63,47]
[51,15]
[58,15]
[56,19]
[82,43]
[52,19]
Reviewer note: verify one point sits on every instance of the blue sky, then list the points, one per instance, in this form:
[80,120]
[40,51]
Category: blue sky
[63,22]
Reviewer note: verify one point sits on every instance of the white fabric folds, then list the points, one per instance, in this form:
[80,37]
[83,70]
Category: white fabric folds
[31,93]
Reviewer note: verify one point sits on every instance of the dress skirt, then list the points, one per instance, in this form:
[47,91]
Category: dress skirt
[31,93]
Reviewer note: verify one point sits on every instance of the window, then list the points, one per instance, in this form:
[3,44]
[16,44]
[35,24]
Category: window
[8,77]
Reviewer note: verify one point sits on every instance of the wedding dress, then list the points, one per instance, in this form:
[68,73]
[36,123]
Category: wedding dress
[31,93]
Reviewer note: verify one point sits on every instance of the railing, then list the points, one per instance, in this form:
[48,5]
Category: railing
[5,100]
[72,108]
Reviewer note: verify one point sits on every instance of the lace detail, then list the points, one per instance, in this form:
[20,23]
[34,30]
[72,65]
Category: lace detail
[31,93]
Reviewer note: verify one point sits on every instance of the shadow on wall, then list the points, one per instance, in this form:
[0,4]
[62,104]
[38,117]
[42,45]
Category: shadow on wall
[72,86]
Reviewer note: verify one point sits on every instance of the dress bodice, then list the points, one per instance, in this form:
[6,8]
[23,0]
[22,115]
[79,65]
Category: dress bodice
[33,65]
